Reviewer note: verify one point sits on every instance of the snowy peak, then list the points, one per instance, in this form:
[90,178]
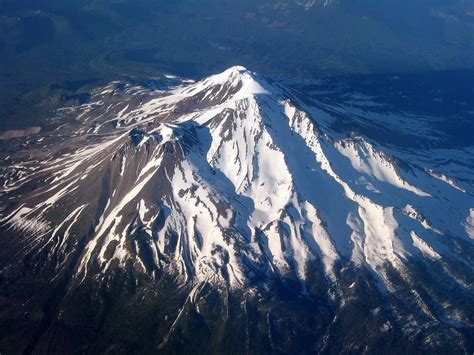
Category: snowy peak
[231,203]
[226,180]
[234,71]
[236,75]
[234,83]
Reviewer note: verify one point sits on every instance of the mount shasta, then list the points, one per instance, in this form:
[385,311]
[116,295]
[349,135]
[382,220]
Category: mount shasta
[236,214]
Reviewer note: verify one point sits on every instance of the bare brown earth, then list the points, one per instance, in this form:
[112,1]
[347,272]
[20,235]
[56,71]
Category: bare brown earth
[15,133]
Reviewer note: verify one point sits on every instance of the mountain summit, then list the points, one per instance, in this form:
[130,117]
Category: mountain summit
[226,199]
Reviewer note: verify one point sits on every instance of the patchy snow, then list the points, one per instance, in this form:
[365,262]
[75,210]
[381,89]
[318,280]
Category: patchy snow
[239,177]
[423,246]
[23,220]
[469,224]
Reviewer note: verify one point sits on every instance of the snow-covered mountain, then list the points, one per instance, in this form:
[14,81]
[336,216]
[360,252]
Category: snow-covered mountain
[229,209]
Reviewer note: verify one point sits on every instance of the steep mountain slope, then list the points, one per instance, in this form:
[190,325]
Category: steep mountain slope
[221,210]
